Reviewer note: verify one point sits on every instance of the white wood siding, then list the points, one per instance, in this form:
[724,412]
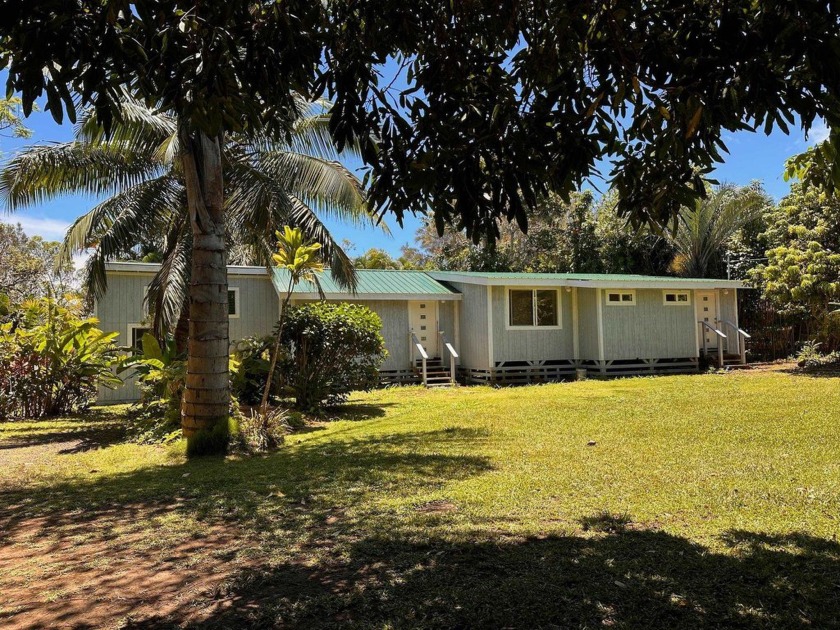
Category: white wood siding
[474,349]
[532,344]
[588,324]
[648,330]
[122,305]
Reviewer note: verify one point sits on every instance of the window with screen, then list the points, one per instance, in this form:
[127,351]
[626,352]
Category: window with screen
[621,298]
[533,308]
[676,298]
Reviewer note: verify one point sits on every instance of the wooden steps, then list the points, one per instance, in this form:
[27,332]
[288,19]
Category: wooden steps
[437,374]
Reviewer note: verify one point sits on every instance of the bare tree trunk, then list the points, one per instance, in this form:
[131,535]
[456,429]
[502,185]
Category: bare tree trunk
[206,402]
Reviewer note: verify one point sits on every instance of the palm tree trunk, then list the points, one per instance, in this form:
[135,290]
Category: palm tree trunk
[206,402]
[182,328]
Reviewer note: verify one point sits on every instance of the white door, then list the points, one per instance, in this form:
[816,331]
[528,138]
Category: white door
[422,319]
[706,305]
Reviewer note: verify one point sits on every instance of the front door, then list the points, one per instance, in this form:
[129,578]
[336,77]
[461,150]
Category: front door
[706,302]
[422,319]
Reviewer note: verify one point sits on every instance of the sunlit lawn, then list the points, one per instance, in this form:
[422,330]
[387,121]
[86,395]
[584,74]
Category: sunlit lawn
[705,501]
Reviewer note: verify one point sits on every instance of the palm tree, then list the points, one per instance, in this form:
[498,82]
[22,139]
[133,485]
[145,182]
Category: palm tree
[140,169]
[703,229]
[300,259]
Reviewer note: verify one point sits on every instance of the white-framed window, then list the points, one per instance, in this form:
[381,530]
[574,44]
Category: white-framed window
[233,302]
[533,308]
[676,298]
[135,334]
[620,297]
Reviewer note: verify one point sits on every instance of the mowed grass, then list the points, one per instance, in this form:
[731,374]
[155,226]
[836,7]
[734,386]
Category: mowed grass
[685,501]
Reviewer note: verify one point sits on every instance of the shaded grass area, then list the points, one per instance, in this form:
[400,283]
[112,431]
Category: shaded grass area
[706,501]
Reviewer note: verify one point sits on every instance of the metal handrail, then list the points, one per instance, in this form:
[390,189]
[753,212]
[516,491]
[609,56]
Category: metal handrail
[453,354]
[720,345]
[742,336]
[423,356]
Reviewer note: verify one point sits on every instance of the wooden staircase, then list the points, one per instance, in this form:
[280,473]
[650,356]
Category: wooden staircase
[730,361]
[433,371]
[438,374]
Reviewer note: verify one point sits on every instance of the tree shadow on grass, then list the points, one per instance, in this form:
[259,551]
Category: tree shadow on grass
[359,411]
[822,371]
[136,540]
[619,576]
[89,431]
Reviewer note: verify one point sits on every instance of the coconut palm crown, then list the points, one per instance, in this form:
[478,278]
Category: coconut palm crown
[268,184]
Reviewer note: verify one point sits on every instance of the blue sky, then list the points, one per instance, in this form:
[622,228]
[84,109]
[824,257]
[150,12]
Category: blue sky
[753,156]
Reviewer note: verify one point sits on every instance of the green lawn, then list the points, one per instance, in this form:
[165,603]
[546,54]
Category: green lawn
[706,501]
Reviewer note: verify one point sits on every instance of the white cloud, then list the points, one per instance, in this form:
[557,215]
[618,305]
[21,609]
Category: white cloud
[819,132]
[50,229]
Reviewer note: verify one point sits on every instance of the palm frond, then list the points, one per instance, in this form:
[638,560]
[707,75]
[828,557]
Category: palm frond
[41,173]
[151,202]
[137,129]
[327,186]
[169,288]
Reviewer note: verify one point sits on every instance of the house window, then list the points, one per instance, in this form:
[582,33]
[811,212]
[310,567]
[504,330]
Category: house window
[532,308]
[135,335]
[676,298]
[621,298]
[233,302]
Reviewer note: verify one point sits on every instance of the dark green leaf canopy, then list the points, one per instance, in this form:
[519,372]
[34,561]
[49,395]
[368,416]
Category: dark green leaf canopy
[497,102]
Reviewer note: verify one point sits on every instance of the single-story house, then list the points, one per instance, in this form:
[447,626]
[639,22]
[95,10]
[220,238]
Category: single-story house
[489,327]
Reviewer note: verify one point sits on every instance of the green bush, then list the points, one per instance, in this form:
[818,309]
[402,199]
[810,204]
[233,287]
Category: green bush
[329,350]
[810,356]
[247,381]
[51,361]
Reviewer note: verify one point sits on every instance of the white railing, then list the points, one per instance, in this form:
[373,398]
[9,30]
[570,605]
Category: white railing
[453,355]
[416,345]
[741,336]
[720,335]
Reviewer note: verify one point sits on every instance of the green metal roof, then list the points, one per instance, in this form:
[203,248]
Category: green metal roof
[600,279]
[373,282]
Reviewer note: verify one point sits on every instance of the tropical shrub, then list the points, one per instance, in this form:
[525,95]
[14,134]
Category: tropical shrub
[51,361]
[161,375]
[328,351]
[810,356]
[253,358]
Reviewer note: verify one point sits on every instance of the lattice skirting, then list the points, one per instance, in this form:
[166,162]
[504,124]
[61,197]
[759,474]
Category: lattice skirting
[524,372]
[399,377]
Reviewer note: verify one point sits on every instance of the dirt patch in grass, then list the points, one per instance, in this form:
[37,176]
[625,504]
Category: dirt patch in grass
[81,576]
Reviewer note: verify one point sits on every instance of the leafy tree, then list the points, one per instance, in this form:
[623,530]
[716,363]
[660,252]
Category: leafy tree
[704,229]
[414,258]
[504,101]
[29,268]
[11,124]
[802,272]
[624,248]
[561,238]
[376,258]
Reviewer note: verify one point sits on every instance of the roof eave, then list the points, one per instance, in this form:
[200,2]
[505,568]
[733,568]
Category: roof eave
[675,283]
[302,295]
